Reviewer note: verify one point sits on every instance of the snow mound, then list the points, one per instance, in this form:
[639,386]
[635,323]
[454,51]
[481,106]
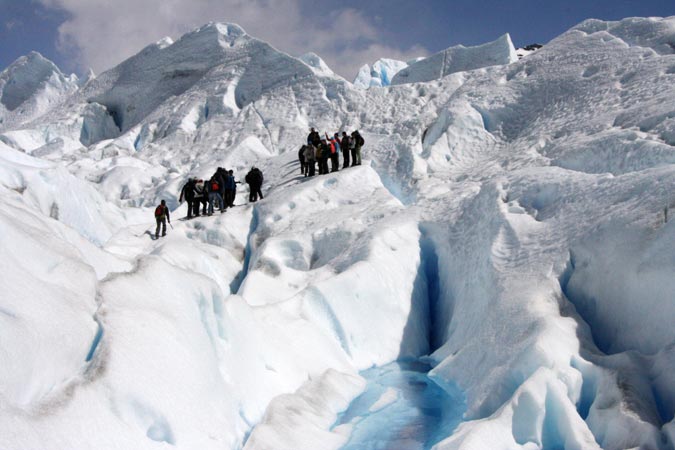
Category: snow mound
[30,87]
[52,190]
[655,33]
[317,64]
[459,59]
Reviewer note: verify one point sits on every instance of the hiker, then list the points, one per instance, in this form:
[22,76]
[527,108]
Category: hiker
[301,158]
[313,138]
[254,179]
[325,154]
[317,158]
[188,193]
[322,153]
[221,175]
[344,145]
[334,152]
[200,198]
[310,159]
[214,195]
[161,217]
[358,143]
[230,189]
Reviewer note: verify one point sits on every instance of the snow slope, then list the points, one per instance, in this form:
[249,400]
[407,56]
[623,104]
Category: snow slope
[507,226]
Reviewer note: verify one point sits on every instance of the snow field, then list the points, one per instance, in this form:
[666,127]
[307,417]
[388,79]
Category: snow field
[507,220]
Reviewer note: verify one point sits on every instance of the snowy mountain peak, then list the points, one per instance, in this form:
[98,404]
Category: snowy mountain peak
[29,87]
[459,59]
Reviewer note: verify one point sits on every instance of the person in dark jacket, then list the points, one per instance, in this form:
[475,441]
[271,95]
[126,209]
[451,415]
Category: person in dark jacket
[325,154]
[344,146]
[358,142]
[254,179]
[314,138]
[200,197]
[188,194]
[301,158]
[230,187]
[221,177]
[161,217]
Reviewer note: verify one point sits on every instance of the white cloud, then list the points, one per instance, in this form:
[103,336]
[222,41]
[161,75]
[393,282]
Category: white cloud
[12,24]
[102,33]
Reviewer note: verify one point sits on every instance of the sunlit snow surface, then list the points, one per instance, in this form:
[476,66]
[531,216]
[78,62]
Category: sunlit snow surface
[507,225]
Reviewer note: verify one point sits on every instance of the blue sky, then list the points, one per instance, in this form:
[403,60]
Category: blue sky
[77,34]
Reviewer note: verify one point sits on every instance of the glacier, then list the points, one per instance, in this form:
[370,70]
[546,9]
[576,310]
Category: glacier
[497,274]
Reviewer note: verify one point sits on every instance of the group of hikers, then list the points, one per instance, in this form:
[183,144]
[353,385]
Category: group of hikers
[221,189]
[318,151]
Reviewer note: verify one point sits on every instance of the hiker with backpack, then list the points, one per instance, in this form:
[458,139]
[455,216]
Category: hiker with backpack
[358,142]
[254,179]
[335,152]
[161,217]
[188,193]
[344,145]
[199,198]
[214,195]
[301,158]
[310,159]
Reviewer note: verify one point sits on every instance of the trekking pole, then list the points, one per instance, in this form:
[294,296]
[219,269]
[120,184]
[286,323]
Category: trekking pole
[171,225]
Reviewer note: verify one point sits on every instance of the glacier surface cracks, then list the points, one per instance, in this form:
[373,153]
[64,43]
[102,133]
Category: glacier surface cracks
[497,274]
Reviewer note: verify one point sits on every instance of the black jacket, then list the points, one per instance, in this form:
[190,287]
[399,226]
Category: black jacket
[314,138]
[254,177]
[188,191]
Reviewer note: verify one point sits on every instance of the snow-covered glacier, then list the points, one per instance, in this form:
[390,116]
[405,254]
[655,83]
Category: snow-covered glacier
[497,274]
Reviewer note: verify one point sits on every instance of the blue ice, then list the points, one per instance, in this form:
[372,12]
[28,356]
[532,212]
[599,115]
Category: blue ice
[420,415]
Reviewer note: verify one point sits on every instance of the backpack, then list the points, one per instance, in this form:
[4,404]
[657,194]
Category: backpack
[360,140]
[159,211]
[215,187]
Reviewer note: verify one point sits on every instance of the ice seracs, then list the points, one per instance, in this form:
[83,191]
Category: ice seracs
[380,74]
[459,59]
[30,87]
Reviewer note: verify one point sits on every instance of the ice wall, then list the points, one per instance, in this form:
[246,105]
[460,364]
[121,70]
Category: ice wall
[459,59]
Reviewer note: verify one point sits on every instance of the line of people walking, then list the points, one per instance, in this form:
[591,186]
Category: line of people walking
[219,191]
[317,151]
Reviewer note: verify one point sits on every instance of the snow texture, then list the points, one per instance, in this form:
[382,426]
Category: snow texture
[510,225]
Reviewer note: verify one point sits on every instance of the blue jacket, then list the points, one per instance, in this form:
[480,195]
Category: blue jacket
[229,183]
